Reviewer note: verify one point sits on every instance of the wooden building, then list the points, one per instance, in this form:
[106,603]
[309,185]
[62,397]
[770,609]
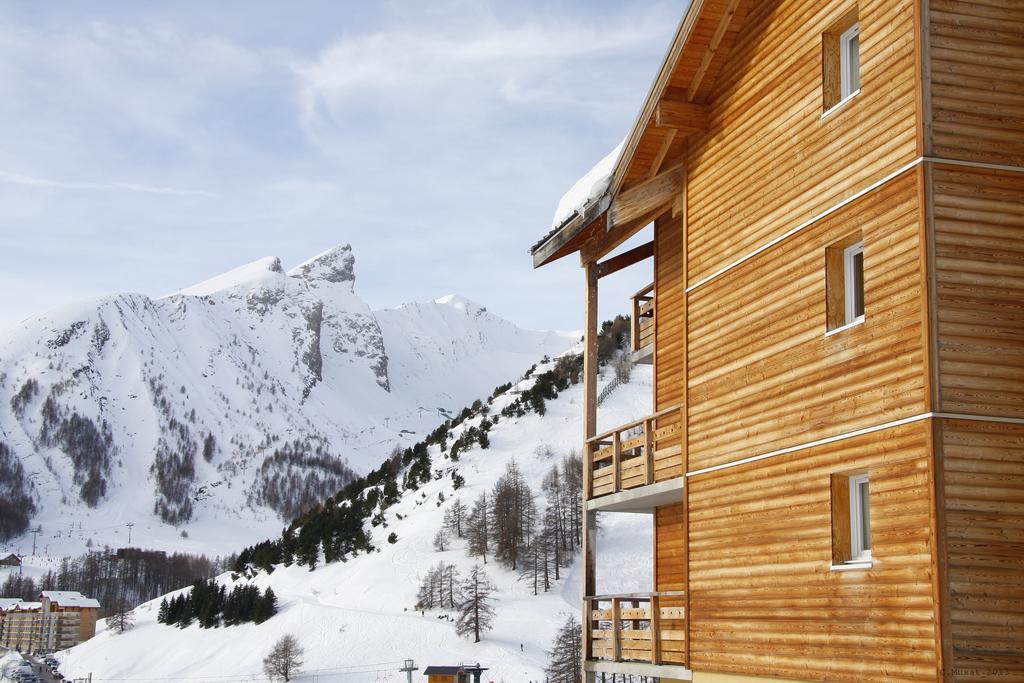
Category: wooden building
[462,673]
[61,619]
[834,459]
[11,560]
[67,619]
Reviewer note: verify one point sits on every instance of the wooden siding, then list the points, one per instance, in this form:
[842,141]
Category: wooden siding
[979,263]
[983,469]
[669,351]
[769,160]
[977,80]
[762,373]
[763,597]
[670,571]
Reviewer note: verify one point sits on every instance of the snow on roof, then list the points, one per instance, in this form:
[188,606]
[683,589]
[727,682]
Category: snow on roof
[22,605]
[452,670]
[249,274]
[587,189]
[70,599]
[8,603]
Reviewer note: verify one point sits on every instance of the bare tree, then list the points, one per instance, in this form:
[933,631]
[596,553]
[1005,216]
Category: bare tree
[454,517]
[441,540]
[475,612]
[478,529]
[284,659]
[565,656]
[121,618]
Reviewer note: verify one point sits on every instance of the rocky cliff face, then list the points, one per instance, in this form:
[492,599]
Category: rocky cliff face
[235,399]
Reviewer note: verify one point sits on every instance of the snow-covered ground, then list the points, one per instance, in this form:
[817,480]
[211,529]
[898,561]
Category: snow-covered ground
[356,619]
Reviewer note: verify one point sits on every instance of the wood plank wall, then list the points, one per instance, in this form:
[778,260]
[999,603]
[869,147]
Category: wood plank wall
[670,319]
[669,570]
[763,598]
[762,373]
[979,263]
[977,80]
[769,160]
[983,470]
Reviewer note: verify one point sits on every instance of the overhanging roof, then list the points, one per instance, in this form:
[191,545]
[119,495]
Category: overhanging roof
[670,112]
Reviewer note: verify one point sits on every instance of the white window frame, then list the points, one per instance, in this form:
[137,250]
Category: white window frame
[849,292]
[845,65]
[858,553]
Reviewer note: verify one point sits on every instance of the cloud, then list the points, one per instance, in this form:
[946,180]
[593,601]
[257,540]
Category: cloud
[540,62]
[436,137]
[20,179]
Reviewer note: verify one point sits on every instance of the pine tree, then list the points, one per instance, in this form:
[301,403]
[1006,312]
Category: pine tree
[476,615]
[266,606]
[161,615]
[565,657]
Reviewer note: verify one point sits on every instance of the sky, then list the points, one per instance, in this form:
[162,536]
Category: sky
[149,146]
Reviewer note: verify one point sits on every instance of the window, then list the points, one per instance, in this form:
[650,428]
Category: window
[849,61]
[844,283]
[853,283]
[860,519]
[840,61]
[851,520]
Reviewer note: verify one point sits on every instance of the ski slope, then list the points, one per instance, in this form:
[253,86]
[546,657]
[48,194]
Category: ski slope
[356,619]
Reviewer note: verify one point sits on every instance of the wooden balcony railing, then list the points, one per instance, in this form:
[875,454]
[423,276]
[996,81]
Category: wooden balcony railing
[636,627]
[643,319]
[636,454]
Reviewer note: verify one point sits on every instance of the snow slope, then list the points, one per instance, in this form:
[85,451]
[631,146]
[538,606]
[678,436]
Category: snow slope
[355,619]
[180,400]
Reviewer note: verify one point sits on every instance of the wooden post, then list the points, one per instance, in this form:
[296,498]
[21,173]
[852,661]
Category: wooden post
[635,325]
[588,470]
[616,626]
[616,462]
[588,627]
[589,583]
[655,629]
[649,449]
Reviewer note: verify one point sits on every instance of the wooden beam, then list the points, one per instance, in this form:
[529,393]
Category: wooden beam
[709,54]
[670,136]
[685,117]
[569,236]
[645,197]
[601,244]
[625,259]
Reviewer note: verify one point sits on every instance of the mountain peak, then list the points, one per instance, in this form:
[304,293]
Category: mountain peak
[253,273]
[335,265]
[460,303]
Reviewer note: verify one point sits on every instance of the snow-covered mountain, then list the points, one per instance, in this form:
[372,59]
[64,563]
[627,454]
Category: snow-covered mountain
[217,411]
[357,620]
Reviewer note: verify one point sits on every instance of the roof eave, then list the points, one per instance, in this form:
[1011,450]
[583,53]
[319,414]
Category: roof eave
[668,65]
[563,241]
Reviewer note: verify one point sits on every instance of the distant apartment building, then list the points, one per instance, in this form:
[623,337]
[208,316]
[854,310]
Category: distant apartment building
[61,619]
[19,624]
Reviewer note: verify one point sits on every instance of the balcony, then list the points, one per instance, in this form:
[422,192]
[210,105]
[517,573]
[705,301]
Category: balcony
[643,628]
[643,325]
[638,466]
